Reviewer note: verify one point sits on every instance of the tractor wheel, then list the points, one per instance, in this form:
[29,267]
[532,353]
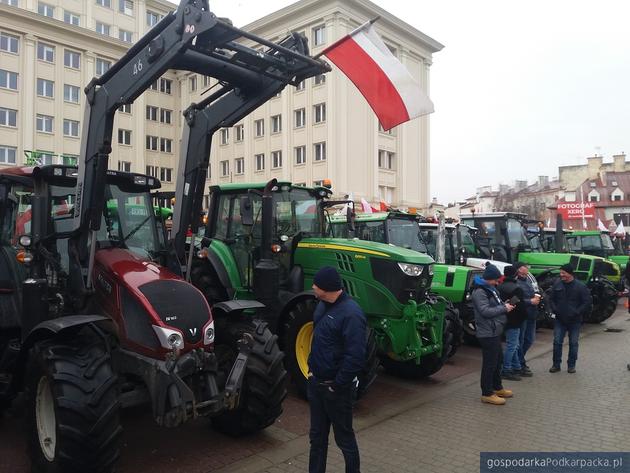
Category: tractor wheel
[296,343]
[469,327]
[429,364]
[456,329]
[604,301]
[544,312]
[265,382]
[72,407]
[203,278]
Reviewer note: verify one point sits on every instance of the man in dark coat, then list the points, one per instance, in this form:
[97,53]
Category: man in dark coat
[510,291]
[490,318]
[337,357]
[570,300]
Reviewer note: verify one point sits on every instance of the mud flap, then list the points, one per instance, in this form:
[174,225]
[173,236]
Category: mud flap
[234,383]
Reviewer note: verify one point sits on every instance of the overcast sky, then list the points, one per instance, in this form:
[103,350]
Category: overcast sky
[520,87]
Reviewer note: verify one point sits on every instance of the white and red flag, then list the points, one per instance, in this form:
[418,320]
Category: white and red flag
[386,84]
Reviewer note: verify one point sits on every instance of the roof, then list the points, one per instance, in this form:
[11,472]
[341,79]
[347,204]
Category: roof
[494,215]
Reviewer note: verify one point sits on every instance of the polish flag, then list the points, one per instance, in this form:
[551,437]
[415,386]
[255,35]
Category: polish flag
[384,206]
[386,84]
[367,208]
[600,226]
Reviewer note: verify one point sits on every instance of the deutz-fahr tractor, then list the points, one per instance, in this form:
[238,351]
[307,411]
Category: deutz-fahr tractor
[92,320]
[597,243]
[401,229]
[502,236]
[266,241]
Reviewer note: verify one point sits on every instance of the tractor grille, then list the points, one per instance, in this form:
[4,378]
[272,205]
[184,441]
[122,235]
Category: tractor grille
[403,287]
[137,321]
[179,305]
[345,262]
[349,287]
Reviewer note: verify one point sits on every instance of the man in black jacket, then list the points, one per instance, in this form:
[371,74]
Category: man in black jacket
[510,291]
[337,357]
[570,300]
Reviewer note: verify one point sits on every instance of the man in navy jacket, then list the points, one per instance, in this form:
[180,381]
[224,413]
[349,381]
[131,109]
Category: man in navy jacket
[337,357]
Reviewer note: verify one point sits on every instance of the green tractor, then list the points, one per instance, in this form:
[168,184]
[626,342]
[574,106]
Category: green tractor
[401,229]
[503,236]
[267,241]
[598,243]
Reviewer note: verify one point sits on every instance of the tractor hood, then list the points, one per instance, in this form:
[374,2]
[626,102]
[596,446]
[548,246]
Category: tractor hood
[143,294]
[480,263]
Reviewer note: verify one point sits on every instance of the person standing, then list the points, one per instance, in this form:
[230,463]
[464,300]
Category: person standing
[531,299]
[570,301]
[510,291]
[337,357]
[490,317]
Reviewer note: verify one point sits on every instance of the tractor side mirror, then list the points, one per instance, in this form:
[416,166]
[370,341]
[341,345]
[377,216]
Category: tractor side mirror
[247,211]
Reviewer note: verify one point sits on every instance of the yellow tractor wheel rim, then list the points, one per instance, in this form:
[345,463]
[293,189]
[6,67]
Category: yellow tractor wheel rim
[303,347]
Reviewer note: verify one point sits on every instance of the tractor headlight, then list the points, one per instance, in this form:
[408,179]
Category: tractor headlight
[430,270]
[208,334]
[169,338]
[411,269]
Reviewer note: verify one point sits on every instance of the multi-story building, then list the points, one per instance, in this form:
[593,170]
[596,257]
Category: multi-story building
[322,129]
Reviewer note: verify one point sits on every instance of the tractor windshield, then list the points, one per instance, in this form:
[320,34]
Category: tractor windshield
[517,235]
[467,241]
[295,212]
[607,243]
[405,233]
[129,222]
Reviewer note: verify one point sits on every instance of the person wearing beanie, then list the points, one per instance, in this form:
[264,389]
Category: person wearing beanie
[490,317]
[531,300]
[570,300]
[338,352]
[510,291]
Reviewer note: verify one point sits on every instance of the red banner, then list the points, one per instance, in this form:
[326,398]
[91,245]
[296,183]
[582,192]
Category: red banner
[576,210]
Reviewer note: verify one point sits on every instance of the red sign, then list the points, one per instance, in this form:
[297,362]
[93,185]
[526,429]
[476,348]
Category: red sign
[576,210]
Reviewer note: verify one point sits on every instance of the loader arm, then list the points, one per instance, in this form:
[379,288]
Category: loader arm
[191,39]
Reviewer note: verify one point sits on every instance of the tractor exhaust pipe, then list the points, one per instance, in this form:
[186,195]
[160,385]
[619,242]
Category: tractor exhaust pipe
[267,270]
[559,236]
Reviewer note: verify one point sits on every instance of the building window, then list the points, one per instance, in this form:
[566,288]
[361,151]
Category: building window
[225,136]
[152,171]
[206,81]
[593,198]
[124,166]
[7,154]
[70,93]
[386,193]
[125,108]
[616,197]
[276,124]
[152,113]
[166,174]
[152,143]
[8,80]
[165,115]
[318,183]
[45,52]
[126,36]
[386,159]
[43,158]
[71,128]
[104,3]
[124,137]
[239,165]
[71,59]
[320,112]
[391,131]
[154,85]
[102,66]
[8,117]
[45,9]
[319,35]
[276,159]
[166,145]
[13,3]
[45,88]
[9,43]
[260,162]
[225,168]
[319,79]
[300,86]
[44,123]
[320,151]
[102,28]
[300,155]
[153,18]
[239,132]
[192,83]
[165,86]
[299,117]
[260,127]
[71,18]
[126,7]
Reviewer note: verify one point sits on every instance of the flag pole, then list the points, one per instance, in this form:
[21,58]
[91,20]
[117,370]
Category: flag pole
[349,35]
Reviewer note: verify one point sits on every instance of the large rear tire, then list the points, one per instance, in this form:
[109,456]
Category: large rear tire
[72,407]
[265,382]
[604,301]
[429,364]
[456,329]
[204,278]
[296,343]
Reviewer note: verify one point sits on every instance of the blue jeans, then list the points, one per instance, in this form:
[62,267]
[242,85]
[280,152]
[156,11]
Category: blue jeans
[331,408]
[528,335]
[560,329]
[512,355]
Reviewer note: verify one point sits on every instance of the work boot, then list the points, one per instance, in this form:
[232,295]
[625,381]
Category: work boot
[493,399]
[505,393]
[525,373]
[554,369]
[571,369]
[511,375]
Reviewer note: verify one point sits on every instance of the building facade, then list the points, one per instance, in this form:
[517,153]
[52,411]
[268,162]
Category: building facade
[323,129]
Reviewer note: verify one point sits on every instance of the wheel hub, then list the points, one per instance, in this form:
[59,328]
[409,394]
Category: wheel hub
[45,419]
[303,346]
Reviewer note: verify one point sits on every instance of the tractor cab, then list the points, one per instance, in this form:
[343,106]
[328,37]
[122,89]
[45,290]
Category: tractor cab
[592,242]
[501,235]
